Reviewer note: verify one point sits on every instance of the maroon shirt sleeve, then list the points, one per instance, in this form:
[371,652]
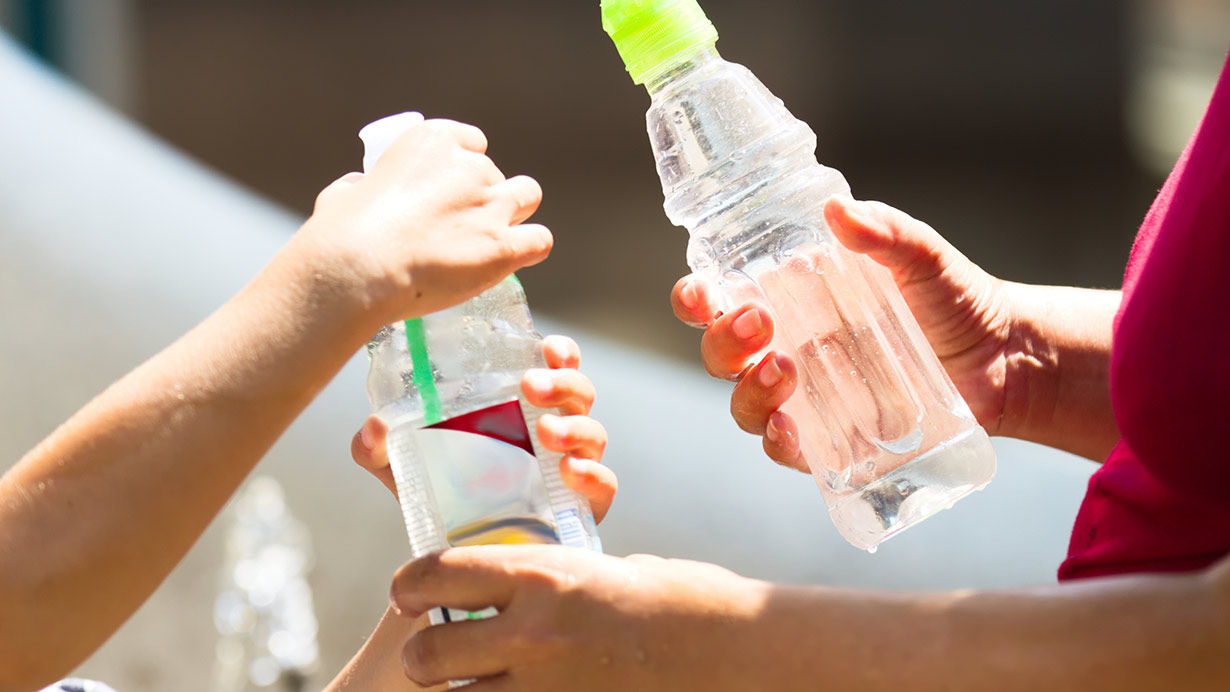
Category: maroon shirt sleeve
[1161,502]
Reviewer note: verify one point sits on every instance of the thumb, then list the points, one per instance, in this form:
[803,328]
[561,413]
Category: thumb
[909,248]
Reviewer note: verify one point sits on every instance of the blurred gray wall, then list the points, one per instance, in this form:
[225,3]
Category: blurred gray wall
[1016,129]
[999,123]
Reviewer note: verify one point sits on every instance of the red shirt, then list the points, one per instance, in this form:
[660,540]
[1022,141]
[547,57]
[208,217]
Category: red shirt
[1161,502]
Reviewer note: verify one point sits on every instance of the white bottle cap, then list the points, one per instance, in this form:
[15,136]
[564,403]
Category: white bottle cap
[380,134]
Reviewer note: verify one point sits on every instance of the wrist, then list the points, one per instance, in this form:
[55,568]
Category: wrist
[1030,363]
[1057,386]
[327,286]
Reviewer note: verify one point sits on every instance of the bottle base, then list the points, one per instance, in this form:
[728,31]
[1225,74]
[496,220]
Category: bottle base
[907,495]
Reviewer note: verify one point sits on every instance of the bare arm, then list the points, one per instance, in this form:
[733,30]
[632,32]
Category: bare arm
[1123,634]
[95,517]
[570,619]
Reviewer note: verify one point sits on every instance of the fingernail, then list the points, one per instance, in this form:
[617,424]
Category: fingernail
[771,373]
[365,438]
[551,423]
[748,325]
[579,467]
[859,211]
[688,296]
[393,599]
[771,431]
[538,380]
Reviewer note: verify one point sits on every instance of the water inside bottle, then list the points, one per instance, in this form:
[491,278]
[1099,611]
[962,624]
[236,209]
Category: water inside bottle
[505,530]
[877,423]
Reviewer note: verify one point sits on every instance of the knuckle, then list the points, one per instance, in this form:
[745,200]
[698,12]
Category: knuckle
[358,452]
[324,197]
[537,638]
[474,131]
[419,659]
[473,163]
[424,569]
[484,164]
[745,420]
[434,131]
[507,246]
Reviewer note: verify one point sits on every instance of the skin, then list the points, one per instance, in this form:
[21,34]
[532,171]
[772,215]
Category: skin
[1031,361]
[152,459]
[572,620]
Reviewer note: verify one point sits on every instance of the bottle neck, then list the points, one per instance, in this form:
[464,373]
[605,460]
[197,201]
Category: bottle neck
[680,67]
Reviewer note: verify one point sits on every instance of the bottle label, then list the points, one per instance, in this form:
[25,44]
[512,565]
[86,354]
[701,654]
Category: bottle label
[502,422]
[488,483]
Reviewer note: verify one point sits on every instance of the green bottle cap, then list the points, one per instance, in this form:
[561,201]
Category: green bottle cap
[650,34]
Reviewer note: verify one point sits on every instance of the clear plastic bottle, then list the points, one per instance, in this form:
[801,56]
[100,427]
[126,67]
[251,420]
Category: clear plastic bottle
[887,436]
[462,441]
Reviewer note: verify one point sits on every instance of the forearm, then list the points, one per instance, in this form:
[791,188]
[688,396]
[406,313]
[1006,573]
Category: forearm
[1057,376]
[1142,633]
[94,518]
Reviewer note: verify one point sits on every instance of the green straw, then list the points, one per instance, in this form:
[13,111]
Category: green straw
[424,381]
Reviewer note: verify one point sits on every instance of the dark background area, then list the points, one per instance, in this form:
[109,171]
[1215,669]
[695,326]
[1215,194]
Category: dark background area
[1001,124]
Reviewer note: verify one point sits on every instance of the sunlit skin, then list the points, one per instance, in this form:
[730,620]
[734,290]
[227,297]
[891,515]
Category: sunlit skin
[1033,363]
[93,518]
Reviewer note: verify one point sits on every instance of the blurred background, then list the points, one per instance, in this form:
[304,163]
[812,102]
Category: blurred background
[1032,135]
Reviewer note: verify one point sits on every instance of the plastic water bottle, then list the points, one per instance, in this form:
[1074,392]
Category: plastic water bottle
[462,441]
[887,436]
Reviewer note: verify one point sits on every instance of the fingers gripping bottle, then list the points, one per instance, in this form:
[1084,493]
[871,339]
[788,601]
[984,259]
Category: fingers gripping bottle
[885,433]
[462,441]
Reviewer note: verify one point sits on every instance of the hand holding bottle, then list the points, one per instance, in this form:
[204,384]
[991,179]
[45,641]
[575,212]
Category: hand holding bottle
[961,308]
[580,620]
[433,224]
[581,439]
[1030,360]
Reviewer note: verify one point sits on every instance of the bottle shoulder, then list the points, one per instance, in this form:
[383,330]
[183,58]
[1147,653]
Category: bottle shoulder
[720,136]
[454,357]
[785,213]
